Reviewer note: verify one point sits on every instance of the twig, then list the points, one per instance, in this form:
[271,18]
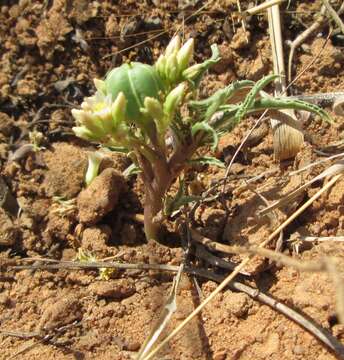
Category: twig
[74,265]
[322,99]
[302,37]
[334,15]
[318,238]
[336,168]
[316,163]
[303,320]
[287,140]
[315,58]
[242,20]
[21,334]
[339,286]
[202,253]
[54,333]
[313,266]
[261,7]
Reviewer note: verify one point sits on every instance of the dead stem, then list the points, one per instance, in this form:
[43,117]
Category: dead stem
[52,335]
[74,265]
[317,266]
[334,15]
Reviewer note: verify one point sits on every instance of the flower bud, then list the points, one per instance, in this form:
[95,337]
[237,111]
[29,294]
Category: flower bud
[153,108]
[173,46]
[83,133]
[89,121]
[193,71]
[174,99]
[118,109]
[160,66]
[171,68]
[185,55]
[100,85]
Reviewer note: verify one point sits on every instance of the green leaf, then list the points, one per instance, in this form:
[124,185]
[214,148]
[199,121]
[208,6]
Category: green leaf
[285,103]
[181,198]
[120,149]
[94,160]
[195,72]
[207,160]
[131,170]
[203,126]
[207,107]
[251,96]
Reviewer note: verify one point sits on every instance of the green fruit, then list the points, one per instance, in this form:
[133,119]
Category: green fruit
[136,81]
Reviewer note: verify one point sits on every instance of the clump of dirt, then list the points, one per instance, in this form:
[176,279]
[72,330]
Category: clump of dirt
[100,197]
[66,164]
[59,312]
[113,289]
[95,239]
[50,52]
[8,231]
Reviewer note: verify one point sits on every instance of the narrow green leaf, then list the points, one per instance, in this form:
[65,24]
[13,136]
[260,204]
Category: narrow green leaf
[203,126]
[283,103]
[209,106]
[195,73]
[131,170]
[251,96]
[208,160]
[180,199]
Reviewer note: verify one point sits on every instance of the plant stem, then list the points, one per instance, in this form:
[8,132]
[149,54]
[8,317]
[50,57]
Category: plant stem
[153,204]
[155,190]
[164,173]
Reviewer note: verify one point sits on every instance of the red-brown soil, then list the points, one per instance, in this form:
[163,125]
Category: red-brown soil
[50,52]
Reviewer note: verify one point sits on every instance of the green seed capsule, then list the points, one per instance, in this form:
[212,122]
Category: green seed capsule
[136,81]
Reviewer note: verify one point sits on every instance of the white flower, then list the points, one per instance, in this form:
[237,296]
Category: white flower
[100,118]
[96,114]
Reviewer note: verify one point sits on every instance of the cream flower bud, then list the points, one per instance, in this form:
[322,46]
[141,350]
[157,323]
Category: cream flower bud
[173,46]
[185,55]
[173,100]
[193,71]
[160,66]
[171,68]
[118,109]
[83,133]
[100,85]
[89,121]
[153,108]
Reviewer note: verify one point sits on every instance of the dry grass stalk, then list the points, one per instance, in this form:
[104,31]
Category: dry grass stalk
[261,7]
[317,25]
[337,168]
[167,312]
[287,140]
[334,15]
[316,163]
[321,238]
[240,267]
[302,37]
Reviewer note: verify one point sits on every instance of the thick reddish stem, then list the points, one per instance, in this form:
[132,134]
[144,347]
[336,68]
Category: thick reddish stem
[155,189]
